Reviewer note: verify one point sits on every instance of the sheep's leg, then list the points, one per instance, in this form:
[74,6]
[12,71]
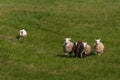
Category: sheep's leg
[101,51]
[81,55]
[65,54]
[99,54]
[78,54]
[84,54]
[68,54]
[75,54]
[96,52]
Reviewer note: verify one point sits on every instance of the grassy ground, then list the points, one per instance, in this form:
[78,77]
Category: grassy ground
[39,56]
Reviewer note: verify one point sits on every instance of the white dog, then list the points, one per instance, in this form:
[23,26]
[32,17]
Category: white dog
[22,33]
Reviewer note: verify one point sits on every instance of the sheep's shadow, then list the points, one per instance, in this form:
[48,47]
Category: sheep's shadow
[72,56]
[60,55]
[63,56]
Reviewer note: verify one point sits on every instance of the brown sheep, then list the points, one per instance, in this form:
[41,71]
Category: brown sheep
[78,49]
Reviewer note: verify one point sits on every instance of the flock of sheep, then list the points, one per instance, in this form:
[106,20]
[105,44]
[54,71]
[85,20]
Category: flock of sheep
[81,49]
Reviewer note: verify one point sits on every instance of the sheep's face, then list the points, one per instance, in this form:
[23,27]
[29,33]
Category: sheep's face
[97,41]
[67,40]
[84,44]
[76,43]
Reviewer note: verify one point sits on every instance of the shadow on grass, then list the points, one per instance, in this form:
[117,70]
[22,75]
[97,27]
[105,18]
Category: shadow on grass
[18,37]
[58,55]
[72,56]
[63,56]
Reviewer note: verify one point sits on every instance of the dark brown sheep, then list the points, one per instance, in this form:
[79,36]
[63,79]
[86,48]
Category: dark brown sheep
[78,49]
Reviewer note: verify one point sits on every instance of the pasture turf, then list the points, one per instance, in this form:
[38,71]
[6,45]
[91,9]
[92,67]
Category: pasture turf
[39,56]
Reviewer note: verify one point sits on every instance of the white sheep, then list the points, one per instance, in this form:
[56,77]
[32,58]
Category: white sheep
[98,47]
[68,47]
[87,48]
[22,33]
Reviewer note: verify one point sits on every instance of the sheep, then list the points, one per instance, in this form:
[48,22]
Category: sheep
[87,48]
[98,47]
[22,33]
[68,47]
[78,49]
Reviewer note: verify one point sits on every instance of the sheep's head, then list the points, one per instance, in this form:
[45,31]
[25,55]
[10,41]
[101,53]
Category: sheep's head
[76,43]
[84,44]
[67,40]
[97,40]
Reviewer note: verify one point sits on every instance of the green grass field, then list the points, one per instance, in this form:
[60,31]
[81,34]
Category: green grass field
[39,56]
